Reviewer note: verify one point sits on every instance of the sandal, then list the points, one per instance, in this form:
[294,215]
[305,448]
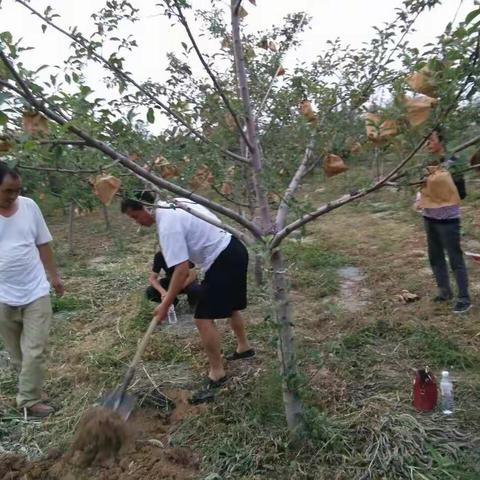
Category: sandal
[240,356]
[210,384]
[207,393]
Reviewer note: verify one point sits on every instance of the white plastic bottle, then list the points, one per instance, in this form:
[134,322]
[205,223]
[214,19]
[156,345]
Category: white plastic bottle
[172,316]
[446,389]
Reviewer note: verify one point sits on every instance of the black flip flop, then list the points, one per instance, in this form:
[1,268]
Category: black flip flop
[214,384]
[207,393]
[202,396]
[240,356]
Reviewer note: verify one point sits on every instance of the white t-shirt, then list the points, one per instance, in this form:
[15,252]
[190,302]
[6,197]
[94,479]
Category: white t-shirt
[186,237]
[22,276]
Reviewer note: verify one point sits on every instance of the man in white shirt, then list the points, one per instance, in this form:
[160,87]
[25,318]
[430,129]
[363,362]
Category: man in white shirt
[25,309]
[224,260]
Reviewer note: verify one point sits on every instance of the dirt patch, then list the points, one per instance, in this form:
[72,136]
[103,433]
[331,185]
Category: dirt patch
[100,435]
[141,462]
[138,451]
[352,297]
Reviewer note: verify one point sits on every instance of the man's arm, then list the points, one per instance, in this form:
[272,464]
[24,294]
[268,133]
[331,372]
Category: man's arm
[177,282]
[46,256]
[153,280]
[192,275]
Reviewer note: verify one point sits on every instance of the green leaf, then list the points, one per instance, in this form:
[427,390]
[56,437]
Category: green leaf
[185,46]
[3,119]
[472,15]
[150,115]
[6,37]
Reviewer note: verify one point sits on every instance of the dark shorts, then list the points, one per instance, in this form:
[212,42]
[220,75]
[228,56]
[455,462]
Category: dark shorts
[224,288]
[192,291]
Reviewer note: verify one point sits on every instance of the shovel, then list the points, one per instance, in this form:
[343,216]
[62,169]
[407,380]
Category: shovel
[118,400]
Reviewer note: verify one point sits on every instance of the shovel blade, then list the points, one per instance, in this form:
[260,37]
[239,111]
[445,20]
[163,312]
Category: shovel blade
[122,404]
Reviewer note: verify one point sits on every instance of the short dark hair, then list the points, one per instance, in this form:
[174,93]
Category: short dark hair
[440,133]
[6,170]
[136,203]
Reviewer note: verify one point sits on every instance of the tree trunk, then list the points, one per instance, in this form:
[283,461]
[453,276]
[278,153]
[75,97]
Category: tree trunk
[106,217]
[266,221]
[71,216]
[293,406]
[259,280]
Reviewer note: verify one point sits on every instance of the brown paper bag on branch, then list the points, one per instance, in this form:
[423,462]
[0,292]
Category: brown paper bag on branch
[333,165]
[226,189]
[230,121]
[203,178]
[105,187]
[379,129]
[34,123]
[439,189]
[418,109]
[305,108]
[423,82]
[167,169]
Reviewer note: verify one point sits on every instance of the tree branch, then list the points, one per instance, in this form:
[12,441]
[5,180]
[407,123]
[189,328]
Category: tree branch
[294,184]
[73,143]
[176,203]
[123,159]
[80,40]
[278,56]
[255,155]
[237,5]
[98,170]
[467,144]
[228,199]
[219,89]
[59,170]
[207,218]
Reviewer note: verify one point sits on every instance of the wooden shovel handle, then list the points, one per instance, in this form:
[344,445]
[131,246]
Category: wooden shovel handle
[138,355]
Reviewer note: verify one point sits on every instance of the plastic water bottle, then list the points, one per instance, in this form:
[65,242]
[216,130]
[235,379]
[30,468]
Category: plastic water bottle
[446,389]
[172,316]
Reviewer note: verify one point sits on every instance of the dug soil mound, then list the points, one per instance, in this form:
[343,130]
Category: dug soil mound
[146,462]
[135,451]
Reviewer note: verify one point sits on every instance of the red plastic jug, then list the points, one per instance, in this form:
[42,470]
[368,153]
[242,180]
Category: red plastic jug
[424,391]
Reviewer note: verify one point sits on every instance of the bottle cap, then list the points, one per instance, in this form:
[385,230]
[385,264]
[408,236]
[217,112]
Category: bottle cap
[445,373]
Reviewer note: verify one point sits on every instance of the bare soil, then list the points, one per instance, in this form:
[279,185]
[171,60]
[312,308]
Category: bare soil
[104,448]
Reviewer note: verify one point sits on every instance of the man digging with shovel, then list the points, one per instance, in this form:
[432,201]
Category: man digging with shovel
[25,309]
[224,261]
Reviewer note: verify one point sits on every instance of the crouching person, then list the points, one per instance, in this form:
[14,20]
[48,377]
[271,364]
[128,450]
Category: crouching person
[25,308]
[159,286]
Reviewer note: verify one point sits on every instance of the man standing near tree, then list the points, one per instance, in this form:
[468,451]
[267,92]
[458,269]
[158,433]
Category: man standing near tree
[25,308]
[442,226]
[185,238]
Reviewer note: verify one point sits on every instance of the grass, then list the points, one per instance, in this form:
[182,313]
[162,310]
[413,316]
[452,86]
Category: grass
[66,304]
[439,350]
[355,368]
[312,268]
